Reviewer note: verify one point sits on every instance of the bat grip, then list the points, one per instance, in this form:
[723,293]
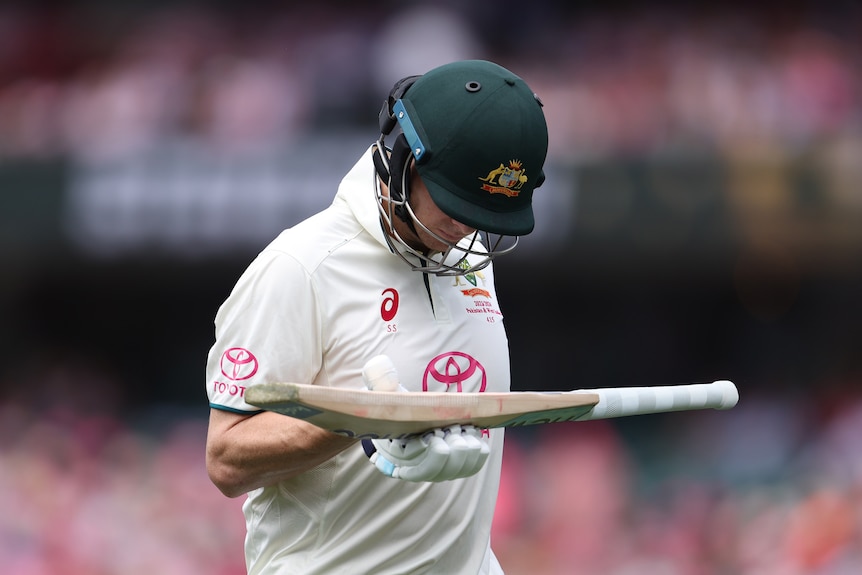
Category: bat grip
[626,401]
[379,374]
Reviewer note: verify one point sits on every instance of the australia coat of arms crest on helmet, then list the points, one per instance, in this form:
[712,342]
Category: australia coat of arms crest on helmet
[505,179]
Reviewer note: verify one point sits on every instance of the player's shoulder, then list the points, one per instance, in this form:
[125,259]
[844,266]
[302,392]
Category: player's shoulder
[312,241]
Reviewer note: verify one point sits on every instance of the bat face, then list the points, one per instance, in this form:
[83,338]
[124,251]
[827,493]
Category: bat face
[384,414]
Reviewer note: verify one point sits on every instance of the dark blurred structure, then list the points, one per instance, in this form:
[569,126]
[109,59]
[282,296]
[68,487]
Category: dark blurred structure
[702,220]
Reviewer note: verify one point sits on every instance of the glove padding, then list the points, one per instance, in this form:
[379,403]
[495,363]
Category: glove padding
[438,455]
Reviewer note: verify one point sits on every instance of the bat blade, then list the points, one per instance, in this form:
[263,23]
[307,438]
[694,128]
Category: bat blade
[382,414]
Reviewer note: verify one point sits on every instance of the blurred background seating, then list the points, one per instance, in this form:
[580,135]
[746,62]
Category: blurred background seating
[702,220]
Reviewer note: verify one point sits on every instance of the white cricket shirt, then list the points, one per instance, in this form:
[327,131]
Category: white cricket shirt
[322,299]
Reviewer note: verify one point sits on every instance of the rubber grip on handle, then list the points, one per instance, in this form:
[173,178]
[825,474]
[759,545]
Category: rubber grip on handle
[626,401]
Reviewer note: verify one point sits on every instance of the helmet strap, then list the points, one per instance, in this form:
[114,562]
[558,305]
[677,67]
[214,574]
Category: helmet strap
[397,177]
[395,171]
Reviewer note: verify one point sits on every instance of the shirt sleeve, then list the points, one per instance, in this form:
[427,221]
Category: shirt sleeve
[267,330]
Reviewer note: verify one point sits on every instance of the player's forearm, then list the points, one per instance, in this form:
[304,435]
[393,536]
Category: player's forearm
[244,453]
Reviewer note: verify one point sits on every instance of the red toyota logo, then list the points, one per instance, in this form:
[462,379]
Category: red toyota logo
[455,368]
[238,363]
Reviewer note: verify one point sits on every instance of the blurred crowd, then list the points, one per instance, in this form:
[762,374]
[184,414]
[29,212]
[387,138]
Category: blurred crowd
[88,495]
[101,80]
[772,487]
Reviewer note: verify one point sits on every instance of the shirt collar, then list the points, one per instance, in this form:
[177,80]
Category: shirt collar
[359,191]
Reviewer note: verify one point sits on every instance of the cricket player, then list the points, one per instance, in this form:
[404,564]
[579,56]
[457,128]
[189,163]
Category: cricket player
[400,264]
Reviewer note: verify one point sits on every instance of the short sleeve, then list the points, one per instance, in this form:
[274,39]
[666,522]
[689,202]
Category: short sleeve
[267,330]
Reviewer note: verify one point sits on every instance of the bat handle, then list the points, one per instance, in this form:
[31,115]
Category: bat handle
[625,401]
[379,374]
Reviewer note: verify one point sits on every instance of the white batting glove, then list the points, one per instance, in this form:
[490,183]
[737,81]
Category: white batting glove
[438,455]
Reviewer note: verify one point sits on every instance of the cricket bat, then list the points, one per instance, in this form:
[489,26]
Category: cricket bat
[367,414]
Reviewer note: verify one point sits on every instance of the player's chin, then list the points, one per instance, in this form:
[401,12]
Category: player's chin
[445,241]
[434,245]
